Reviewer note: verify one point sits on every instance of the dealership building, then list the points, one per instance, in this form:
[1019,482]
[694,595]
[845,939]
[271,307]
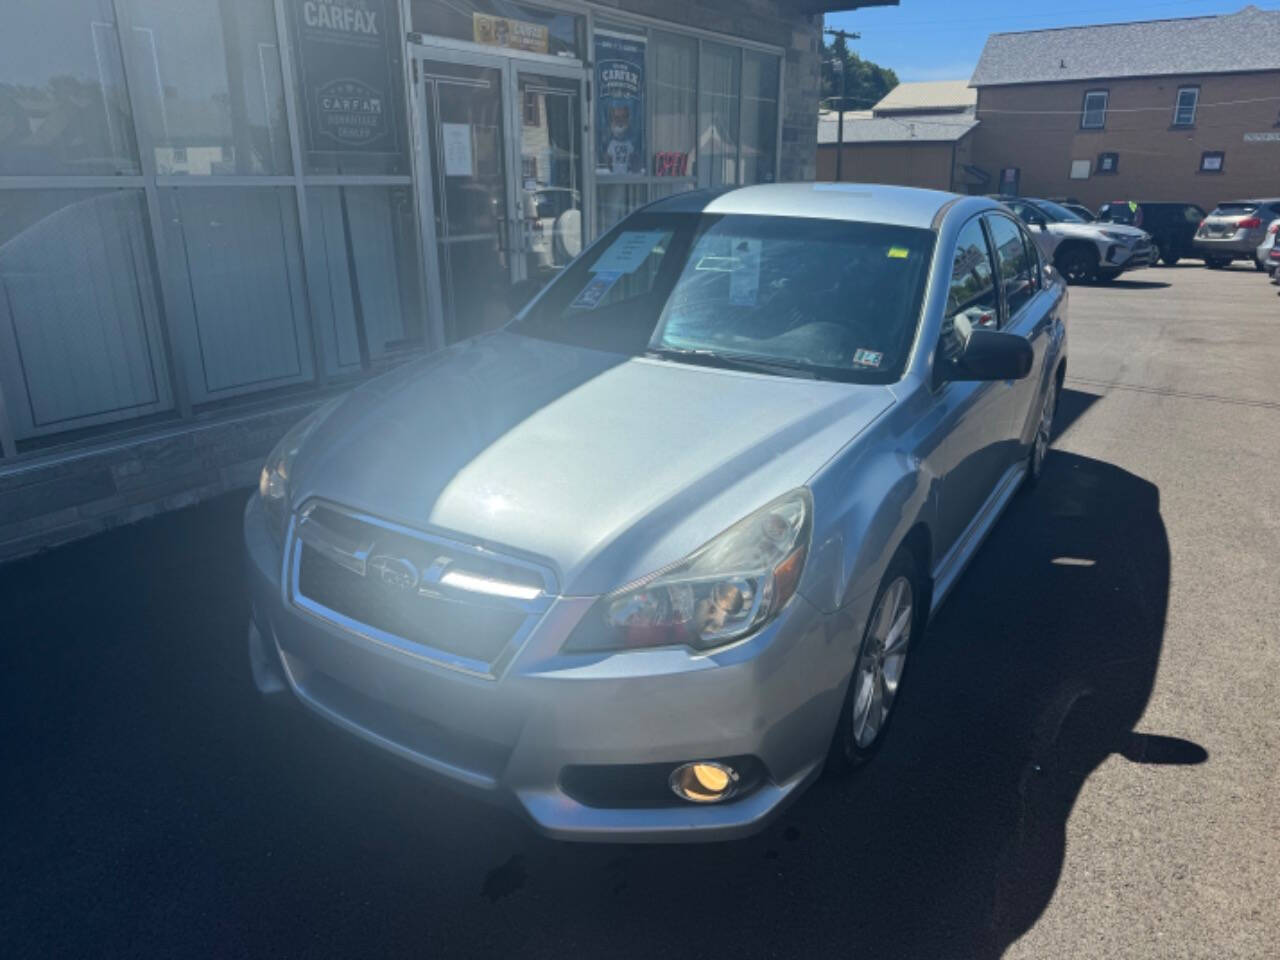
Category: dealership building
[215,213]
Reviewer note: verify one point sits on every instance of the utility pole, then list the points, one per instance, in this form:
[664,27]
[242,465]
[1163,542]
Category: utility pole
[840,46]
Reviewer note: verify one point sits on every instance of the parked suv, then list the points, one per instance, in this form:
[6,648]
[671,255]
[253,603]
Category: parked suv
[1082,251]
[1234,230]
[1269,252]
[1172,225]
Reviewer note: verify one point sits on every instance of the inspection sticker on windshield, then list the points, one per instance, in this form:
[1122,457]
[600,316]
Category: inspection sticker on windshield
[600,284]
[627,252]
[867,358]
[744,280]
[898,253]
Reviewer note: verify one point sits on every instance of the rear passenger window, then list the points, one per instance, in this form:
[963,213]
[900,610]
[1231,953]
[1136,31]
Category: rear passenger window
[1017,263]
[973,290]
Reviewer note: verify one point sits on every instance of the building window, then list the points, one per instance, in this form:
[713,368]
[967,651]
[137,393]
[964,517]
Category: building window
[1211,161]
[1094,114]
[529,167]
[532,114]
[1108,162]
[1079,169]
[1184,110]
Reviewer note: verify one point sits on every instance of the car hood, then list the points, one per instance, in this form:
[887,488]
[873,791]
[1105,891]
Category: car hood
[1093,231]
[603,466]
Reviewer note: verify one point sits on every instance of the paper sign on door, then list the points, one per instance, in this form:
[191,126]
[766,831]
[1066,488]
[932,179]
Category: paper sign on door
[456,144]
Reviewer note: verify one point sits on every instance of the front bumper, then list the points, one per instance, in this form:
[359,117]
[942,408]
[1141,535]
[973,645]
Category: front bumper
[1119,257]
[509,738]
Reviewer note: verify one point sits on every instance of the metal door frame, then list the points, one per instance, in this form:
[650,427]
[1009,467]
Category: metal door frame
[560,71]
[418,53]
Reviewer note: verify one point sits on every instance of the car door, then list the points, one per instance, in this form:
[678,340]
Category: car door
[1030,310]
[974,416]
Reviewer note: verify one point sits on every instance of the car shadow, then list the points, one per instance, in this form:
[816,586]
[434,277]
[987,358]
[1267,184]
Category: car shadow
[1129,284]
[146,771]
[1072,405]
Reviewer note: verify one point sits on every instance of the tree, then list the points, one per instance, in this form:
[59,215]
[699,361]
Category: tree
[867,82]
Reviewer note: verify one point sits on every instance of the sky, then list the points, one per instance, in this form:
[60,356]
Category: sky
[937,40]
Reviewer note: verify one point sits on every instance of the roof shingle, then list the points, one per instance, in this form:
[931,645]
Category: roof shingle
[1228,43]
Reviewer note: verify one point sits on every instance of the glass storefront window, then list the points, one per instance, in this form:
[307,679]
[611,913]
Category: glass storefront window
[615,200]
[366,294]
[719,76]
[63,102]
[759,117]
[209,76]
[235,264]
[79,310]
[502,23]
[675,105]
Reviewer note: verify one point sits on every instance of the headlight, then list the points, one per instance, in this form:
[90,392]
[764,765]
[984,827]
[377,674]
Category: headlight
[273,481]
[721,593]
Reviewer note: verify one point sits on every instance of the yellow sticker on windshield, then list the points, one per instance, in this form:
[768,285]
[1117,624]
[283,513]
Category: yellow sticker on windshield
[898,253]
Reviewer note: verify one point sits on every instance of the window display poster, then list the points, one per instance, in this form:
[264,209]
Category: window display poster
[619,103]
[344,58]
[509,32]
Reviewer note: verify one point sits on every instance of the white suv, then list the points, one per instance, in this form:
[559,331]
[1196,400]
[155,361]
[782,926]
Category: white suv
[1082,251]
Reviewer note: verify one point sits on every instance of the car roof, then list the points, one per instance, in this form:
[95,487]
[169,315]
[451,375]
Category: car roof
[867,202]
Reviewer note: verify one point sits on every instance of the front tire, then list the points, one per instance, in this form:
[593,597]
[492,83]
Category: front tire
[897,618]
[1169,259]
[1077,264]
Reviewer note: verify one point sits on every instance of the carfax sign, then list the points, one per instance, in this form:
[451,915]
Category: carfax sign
[345,64]
[619,103]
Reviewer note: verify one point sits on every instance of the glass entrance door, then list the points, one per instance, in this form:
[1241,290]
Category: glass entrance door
[501,176]
[551,191]
[468,171]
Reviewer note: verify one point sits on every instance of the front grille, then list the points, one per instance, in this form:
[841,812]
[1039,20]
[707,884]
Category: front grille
[387,579]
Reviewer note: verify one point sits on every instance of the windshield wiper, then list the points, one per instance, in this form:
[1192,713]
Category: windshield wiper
[735,361]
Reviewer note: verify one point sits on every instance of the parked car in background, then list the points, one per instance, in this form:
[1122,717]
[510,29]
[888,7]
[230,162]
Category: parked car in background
[1234,231]
[663,553]
[1172,225]
[1269,251]
[1082,251]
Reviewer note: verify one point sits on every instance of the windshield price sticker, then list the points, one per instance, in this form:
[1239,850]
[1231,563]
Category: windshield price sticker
[627,252]
[867,358]
[597,287]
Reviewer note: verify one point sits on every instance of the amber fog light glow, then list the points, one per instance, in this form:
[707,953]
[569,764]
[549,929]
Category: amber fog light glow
[704,782]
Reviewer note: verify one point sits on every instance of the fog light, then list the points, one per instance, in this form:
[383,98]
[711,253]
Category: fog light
[704,782]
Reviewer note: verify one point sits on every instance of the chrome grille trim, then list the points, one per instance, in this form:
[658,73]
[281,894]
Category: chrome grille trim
[354,554]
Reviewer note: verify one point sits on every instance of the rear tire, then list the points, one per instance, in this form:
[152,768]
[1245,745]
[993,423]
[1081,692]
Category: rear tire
[877,674]
[1043,436]
[1215,263]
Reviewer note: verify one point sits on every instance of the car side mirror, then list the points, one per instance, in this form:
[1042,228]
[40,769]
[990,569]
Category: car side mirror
[989,355]
[522,291]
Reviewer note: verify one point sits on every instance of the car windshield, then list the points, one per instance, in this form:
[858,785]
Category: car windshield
[832,299]
[1116,213]
[1234,209]
[1057,212]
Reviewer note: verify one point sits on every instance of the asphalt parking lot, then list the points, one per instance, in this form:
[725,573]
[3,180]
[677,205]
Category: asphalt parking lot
[1085,762]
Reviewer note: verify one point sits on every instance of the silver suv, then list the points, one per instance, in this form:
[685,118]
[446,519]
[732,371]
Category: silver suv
[641,563]
[1234,231]
[1082,251]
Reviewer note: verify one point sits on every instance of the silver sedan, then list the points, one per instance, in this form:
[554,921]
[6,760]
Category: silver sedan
[648,559]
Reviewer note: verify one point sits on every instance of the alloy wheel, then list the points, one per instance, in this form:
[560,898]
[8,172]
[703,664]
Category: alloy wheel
[883,658]
[1044,432]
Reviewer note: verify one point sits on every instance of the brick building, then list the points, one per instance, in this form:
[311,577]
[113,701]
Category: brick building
[1185,109]
[918,135]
